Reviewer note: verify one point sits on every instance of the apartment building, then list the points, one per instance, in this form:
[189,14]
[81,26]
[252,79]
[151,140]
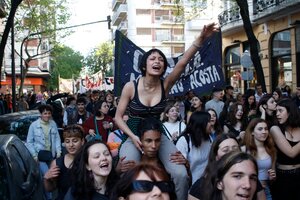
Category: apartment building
[276,25]
[39,68]
[150,23]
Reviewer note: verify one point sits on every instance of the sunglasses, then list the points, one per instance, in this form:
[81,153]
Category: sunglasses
[147,186]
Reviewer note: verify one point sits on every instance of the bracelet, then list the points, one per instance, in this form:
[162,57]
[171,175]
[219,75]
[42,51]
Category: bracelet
[196,45]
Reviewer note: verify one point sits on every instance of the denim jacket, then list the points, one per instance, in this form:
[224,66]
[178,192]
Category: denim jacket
[36,139]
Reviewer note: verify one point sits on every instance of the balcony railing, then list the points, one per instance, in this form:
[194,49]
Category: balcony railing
[229,16]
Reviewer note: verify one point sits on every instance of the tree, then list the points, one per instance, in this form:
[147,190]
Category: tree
[9,23]
[65,62]
[253,42]
[40,18]
[34,16]
[100,59]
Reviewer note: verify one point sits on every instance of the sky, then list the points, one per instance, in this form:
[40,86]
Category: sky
[86,38]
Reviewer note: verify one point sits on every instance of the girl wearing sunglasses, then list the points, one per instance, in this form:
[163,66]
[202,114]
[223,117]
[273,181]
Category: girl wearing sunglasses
[145,181]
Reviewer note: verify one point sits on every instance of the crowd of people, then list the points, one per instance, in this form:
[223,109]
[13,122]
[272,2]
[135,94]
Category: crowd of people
[146,144]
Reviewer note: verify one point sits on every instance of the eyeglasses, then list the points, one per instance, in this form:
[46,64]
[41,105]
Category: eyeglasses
[147,186]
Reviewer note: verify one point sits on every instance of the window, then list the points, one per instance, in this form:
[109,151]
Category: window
[142,12]
[143,31]
[233,69]
[281,63]
[162,35]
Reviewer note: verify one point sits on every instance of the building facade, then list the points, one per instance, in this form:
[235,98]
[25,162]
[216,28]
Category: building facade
[276,25]
[150,24]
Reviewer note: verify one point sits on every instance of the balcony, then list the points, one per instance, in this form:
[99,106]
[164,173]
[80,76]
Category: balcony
[115,4]
[119,15]
[123,26]
[268,9]
[173,39]
[229,16]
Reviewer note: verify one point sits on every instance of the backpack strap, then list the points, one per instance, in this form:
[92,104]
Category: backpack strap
[167,131]
[187,138]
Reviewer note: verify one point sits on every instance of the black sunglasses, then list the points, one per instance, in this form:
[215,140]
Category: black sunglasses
[147,186]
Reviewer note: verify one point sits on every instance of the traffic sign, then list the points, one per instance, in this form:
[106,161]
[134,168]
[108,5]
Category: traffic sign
[246,61]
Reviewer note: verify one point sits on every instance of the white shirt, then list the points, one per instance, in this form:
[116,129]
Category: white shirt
[174,127]
[197,157]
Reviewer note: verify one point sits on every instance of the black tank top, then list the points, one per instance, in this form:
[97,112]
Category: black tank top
[63,182]
[137,109]
[284,159]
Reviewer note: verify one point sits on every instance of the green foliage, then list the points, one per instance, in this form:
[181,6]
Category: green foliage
[41,16]
[65,62]
[100,59]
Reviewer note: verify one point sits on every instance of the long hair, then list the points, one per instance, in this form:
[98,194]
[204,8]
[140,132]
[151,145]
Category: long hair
[249,140]
[206,184]
[217,125]
[82,179]
[165,118]
[293,120]
[97,108]
[143,62]
[271,119]
[231,115]
[223,166]
[196,127]
[123,187]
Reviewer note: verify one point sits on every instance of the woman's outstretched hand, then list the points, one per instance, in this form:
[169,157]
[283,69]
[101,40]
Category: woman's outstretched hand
[208,30]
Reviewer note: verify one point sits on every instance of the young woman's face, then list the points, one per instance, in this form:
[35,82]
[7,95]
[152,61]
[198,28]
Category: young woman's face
[213,117]
[271,104]
[73,144]
[281,114]
[109,98]
[196,102]
[155,64]
[99,160]
[239,182]
[227,146]
[275,96]
[260,132]
[104,108]
[209,127]
[239,112]
[151,143]
[154,194]
[251,100]
[46,115]
[172,114]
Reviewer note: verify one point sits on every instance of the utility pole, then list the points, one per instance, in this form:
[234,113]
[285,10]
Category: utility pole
[13,68]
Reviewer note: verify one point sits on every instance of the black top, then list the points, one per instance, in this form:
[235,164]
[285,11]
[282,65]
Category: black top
[63,181]
[137,109]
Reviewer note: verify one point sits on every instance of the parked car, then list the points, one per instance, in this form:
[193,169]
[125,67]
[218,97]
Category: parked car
[20,176]
[18,123]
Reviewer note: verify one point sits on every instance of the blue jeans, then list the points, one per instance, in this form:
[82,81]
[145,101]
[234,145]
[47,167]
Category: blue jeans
[178,172]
